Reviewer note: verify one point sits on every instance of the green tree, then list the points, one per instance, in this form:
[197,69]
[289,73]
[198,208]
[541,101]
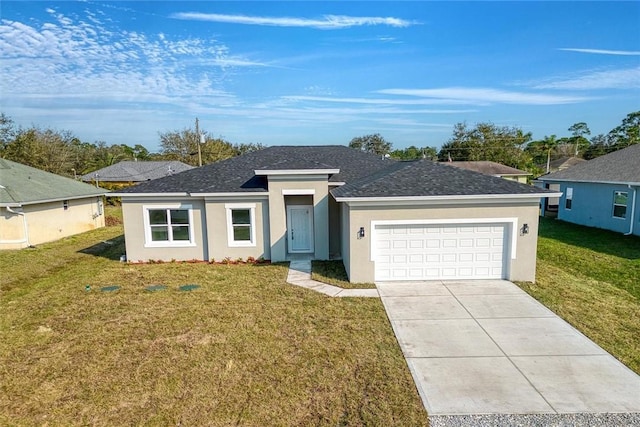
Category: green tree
[599,147]
[45,149]
[486,141]
[627,133]
[7,132]
[415,153]
[578,138]
[541,150]
[374,143]
[183,146]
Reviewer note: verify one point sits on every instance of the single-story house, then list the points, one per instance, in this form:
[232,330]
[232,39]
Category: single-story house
[562,163]
[126,173]
[386,219]
[38,206]
[601,192]
[493,169]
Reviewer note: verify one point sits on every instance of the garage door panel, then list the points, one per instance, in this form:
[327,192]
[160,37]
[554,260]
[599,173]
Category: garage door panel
[418,252]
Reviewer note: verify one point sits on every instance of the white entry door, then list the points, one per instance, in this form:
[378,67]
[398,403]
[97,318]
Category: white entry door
[430,252]
[300,228]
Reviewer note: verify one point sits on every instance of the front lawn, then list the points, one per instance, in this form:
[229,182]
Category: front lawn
[243,349]
[591,278]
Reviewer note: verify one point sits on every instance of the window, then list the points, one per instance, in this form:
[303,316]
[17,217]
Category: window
[169,226]
[619,204]
[65,204]
[241,224]
[100,206]
[568,199]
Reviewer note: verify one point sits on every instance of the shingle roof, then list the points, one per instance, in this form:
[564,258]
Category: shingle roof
[365,175]
[425,178]
[564,162]
[489,168]
[621,166]
[238,173]
[136,171]
[21,184]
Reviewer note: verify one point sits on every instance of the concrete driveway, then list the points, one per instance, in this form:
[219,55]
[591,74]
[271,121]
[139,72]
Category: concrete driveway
[486,347]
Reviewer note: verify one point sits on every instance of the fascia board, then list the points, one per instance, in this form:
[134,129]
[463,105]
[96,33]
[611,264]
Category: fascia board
[446,199]
[58,199]
[261,194]
[115,194]
[584,181]
[262,172]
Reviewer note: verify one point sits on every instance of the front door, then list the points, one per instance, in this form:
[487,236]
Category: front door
[300,229]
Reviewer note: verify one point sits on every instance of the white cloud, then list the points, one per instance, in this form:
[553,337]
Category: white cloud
[601,79]
[373,101]
[327,22]
[603,51]
[483,96]
[97,61]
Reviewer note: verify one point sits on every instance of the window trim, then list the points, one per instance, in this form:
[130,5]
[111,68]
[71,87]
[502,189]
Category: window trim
[150,243]
[614,204]
[231,242]
[568,200]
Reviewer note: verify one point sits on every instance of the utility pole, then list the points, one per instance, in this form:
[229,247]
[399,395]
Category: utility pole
[198,143]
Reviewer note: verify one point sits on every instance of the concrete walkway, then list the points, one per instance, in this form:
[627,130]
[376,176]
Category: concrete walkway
[300,275]
[487,347]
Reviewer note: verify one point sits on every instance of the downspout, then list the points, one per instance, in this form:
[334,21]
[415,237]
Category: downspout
[26,227]
[633,210]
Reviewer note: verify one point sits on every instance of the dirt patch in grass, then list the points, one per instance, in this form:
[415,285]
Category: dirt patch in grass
[593,286]
[243,349]
[333,273]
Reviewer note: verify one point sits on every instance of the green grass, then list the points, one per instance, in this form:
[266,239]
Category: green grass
[244,349]
[333,273]
[591,278]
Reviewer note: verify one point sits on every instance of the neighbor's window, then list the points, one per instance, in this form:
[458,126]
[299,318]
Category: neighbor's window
[241,224]
[169,226]
[568,199]
[619,204]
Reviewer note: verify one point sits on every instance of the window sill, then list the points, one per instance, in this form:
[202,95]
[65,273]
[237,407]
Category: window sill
[170,245]
[241,244]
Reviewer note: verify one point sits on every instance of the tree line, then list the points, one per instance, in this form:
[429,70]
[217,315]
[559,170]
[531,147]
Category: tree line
[62,153]
[511,146]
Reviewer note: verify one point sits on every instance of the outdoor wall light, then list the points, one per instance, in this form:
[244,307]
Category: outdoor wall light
[525,229]
[361,233]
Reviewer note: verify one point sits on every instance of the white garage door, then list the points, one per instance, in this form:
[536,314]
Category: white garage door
[430,252]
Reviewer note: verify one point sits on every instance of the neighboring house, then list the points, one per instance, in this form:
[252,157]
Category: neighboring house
[562,164]
[601,192]
[126,173]
[38,206]
[386,220]
[493,169]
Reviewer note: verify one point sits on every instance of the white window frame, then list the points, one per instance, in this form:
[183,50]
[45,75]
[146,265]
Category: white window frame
[568,197]
[231,242]
[626,206]
[150,243]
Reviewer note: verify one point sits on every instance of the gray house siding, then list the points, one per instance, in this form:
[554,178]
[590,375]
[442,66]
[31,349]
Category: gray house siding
[592,205]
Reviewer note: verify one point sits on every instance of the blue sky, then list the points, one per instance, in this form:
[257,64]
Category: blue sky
[317,72]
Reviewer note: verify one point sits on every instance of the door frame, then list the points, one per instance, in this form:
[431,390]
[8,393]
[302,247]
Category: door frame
[310,230]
